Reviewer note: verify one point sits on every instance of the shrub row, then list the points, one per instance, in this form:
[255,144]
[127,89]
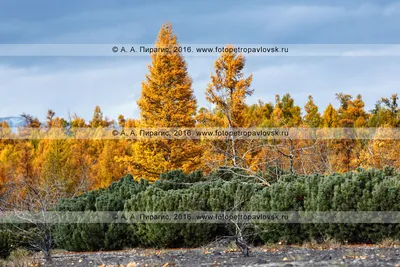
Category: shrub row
[369,190]
[175,191]
[363,190]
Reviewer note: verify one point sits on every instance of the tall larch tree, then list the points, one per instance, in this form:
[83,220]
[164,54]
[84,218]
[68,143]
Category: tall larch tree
[228,88]
[351,112]
[278,118]
[227,92]
[167,100]
[291,112]
[98,120]
[313,117]
[330,117]
[347,150]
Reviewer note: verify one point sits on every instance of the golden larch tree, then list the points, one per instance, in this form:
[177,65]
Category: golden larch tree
[227,92]
[167,101]
[313,117]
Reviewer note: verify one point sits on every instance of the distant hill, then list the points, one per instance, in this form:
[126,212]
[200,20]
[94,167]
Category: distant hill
[14,121]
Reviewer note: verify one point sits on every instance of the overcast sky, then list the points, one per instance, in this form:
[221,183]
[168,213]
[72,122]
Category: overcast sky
[77,84]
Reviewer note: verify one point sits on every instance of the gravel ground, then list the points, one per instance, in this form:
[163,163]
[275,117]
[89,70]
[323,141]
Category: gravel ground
[283,256]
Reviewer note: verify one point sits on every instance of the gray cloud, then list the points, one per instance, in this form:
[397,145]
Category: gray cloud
[116,85]
[33,85]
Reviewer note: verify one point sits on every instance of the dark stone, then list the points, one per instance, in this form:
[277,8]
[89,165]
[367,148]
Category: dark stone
[325,258]
[262,261]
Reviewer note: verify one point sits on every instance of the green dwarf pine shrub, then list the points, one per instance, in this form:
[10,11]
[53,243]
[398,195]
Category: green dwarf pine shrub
[5,244]
[99,236]
[232,190]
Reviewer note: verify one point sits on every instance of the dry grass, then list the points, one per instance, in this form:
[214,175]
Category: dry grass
[327,243]
[25,258]
[389,243]
[22,258]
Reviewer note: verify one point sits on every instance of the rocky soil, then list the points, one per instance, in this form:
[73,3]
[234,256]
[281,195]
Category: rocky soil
[262,256]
